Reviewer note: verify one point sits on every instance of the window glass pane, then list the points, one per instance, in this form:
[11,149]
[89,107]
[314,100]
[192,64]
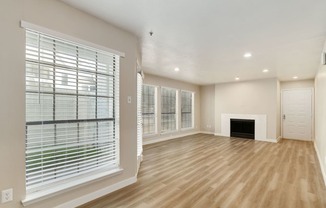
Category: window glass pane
[72,100]
[148,109]
[186,109]
[168,109]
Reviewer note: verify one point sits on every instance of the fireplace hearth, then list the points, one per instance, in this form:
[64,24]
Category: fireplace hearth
[243,128]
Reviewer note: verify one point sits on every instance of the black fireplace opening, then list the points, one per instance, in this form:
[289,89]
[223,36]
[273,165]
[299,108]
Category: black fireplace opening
[243,128]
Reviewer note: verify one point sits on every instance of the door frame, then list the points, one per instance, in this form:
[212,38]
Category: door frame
[312,110]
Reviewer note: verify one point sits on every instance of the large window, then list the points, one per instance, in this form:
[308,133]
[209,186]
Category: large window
[186,109]
[168,109]
[149,109]
[72,110]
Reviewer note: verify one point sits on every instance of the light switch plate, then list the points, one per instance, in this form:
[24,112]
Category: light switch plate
[7,195]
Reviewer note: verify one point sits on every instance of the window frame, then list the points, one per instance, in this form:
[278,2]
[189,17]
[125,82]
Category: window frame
[155,112]
[192,110]
[63,186]
[177,92]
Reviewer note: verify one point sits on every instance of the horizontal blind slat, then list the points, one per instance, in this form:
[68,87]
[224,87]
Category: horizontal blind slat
[72,109]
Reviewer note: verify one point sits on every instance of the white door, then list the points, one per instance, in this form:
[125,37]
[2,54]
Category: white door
[297,114]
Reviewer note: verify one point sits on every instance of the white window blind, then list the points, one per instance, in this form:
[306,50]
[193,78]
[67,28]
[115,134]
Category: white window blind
[186,109]
[72,110]
[139,115]
[168,109]
[149,109]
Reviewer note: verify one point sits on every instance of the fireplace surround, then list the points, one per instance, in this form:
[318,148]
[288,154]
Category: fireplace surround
[260,124]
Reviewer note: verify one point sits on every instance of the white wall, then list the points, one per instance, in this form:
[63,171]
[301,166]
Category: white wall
[60,17]
[207,109]
[166,82]
[320,117]
[251,97]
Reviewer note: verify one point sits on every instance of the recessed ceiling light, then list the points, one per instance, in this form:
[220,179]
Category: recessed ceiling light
[247,55]
[265,70]
[176,69]
[295,77]
[237,78]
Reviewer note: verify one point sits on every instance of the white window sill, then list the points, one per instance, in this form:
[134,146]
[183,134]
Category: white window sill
[35,197]
[150,135]
[188,129]
[169,132]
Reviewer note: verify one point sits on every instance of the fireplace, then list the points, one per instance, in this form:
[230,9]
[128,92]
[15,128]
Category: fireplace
[243,128]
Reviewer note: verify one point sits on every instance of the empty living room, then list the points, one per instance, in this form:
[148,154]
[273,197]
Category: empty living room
[163,104]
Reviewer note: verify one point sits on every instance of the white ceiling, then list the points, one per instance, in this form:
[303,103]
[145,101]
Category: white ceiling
[206,39]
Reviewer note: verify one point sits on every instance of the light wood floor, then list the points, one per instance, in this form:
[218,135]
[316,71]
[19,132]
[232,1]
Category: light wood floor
[205,171]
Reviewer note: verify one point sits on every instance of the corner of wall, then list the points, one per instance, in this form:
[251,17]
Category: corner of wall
[322,167]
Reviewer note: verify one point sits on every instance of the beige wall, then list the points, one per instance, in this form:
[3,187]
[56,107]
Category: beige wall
[320,118]
[308,83]
[251,97]
[57,16]
[207,108]
[165,82]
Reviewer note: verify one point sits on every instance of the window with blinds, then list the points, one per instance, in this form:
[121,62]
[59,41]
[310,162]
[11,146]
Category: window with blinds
[139,115]
[186,109]
[72,110]
[168,109]
[149,109]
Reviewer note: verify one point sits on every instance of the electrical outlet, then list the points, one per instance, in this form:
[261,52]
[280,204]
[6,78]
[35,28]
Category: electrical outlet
[7,195]
[129,99]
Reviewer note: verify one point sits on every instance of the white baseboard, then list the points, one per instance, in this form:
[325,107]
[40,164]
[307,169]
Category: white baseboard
[155,140]
[320,163]
[278,139]
[99,193]
[267,140]
[206,132]
[139,160]
[263,140]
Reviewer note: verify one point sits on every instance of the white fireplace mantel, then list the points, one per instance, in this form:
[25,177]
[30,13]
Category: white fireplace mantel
[260,124]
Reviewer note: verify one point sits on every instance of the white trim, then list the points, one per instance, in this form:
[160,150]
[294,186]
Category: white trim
[140,159]
[267,140]
[47,31]
[94,195]
[260,140]
[206,132]
[320,163]
[187,129]
[278,139]
[187,91]
[155,140]
[150,135]
[150,85]
[169,132]
[65,187]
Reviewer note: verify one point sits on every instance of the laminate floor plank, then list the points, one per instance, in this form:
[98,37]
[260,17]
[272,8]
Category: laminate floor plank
[206,171]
